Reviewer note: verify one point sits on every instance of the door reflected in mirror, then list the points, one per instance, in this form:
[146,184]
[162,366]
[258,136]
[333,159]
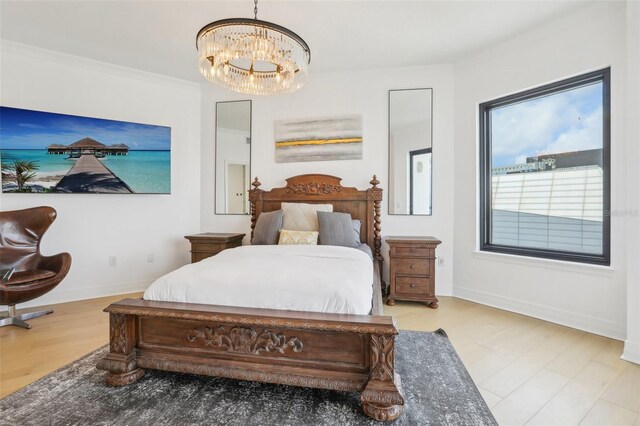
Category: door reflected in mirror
[410,144]
[233,157]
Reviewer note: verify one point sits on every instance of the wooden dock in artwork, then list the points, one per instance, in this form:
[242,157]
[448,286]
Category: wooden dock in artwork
[90,175]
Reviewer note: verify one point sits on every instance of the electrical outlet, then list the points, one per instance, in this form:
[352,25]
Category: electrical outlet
[150,258]
[113,261]
[440,261]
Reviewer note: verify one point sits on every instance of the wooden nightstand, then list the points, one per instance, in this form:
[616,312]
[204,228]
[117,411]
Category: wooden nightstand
[412,272]
[211,243]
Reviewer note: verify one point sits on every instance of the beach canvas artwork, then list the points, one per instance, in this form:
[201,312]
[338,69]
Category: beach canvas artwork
[58,153]
[321,139]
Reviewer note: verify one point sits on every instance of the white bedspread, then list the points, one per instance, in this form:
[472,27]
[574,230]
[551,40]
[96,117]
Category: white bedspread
[300,278]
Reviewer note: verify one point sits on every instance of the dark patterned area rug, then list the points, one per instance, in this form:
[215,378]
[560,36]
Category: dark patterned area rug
[437,388]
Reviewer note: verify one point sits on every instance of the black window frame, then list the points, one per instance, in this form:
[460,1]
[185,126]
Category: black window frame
[604,76]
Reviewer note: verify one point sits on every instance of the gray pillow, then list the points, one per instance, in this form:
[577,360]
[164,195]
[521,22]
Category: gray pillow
[357,226]
[336,229]
[267,230]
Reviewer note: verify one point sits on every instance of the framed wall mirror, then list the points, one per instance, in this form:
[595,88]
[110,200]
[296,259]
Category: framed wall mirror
[233,157]
[410,151]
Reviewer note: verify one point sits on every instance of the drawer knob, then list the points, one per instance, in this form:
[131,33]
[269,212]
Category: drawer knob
[412,266]
[413,285]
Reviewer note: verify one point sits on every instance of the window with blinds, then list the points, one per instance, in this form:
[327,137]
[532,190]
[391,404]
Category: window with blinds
[544,167]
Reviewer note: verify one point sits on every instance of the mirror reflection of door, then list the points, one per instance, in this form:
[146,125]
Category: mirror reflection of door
[237,182]
[420,181]
[410,144]
[233,157]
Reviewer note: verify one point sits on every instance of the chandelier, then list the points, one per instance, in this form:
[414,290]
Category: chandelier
[253,56]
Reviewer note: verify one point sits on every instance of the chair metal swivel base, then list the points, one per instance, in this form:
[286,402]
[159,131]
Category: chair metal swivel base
[20,320]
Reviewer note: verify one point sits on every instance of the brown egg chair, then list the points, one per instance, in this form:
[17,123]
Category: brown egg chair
[26,274]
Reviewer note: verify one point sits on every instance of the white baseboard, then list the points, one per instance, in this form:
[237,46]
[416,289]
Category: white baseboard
[579,321]
[63,295]
[631,352]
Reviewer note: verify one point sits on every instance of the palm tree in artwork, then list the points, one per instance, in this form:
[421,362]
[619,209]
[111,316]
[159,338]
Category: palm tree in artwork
[20,172]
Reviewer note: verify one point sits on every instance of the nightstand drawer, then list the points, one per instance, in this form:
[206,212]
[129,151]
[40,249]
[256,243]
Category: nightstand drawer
[208,247]
[198,256]
[411,251]
[412,285]
[412,266]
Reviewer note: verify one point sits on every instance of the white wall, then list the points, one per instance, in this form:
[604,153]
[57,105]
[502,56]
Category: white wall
[586,297]
[331,94]
[632,343]
[94,227]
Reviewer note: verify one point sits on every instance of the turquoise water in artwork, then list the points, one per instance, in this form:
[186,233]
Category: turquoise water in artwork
[143,171]
[47,163]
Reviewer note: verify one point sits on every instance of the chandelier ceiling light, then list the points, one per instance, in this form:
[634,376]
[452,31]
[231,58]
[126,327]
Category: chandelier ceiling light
[253,56]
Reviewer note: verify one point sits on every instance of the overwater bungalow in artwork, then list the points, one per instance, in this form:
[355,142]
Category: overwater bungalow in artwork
[88,146]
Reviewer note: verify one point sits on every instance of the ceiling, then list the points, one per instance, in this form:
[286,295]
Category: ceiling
[159,36]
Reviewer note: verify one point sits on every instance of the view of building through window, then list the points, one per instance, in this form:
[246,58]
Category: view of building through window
[547,178]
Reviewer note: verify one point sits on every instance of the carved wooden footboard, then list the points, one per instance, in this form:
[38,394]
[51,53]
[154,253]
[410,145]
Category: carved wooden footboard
[340,352]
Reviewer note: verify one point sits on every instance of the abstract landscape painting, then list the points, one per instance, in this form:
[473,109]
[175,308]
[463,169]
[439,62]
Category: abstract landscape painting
[48,152]
[323,139]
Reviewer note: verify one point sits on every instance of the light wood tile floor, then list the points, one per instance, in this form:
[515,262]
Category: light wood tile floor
[71,331]
[529,371]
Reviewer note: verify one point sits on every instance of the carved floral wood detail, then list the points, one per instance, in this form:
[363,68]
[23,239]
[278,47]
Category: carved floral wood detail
[382,396]
[374,194]
[118,332]
[313,188]
[382,357]
[244,340]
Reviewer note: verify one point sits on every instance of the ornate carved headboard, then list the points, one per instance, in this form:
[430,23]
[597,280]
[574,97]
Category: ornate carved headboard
[324,189]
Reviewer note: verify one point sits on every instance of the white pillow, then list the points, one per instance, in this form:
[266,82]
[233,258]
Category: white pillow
[302,216]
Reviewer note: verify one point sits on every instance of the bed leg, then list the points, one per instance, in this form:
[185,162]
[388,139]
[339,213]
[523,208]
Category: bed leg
[120,363]
[123,379]
[382,397]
